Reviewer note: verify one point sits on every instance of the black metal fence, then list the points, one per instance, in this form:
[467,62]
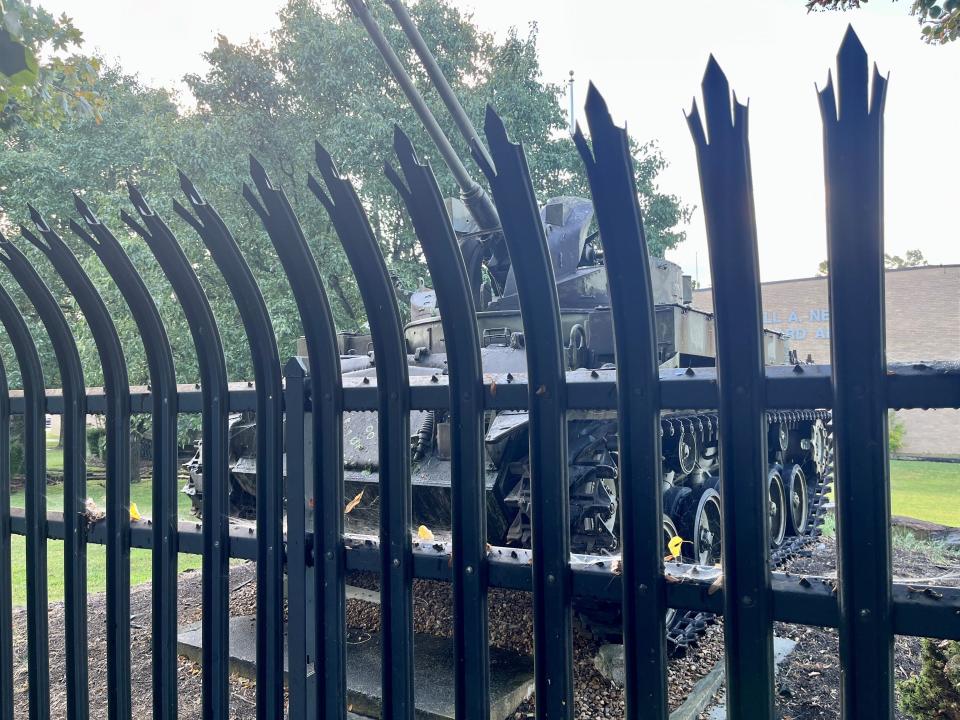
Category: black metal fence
[859,386]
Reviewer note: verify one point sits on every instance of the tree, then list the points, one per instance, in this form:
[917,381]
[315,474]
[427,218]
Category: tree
[317,77]
[939,19]
[42,79]
[912,258]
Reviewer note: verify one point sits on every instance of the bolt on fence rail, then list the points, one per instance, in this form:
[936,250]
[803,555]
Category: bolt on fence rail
[858,387]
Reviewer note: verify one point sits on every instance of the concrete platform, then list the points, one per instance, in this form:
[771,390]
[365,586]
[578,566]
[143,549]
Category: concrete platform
[511,674]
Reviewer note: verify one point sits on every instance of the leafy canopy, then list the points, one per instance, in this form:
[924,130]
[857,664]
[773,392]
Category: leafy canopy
[318,77]
[939,19]
[46,91]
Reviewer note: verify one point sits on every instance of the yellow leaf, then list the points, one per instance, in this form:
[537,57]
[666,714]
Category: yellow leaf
[423,532]
[134,512]
[353,503]
[674,546]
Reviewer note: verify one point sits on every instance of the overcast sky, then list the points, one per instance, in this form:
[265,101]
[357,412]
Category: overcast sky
[647,57]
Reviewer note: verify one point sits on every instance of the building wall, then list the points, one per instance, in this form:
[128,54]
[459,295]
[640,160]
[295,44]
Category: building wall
[923,323]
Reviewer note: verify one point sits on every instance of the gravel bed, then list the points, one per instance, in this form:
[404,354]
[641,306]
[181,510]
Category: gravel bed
[808,683]
[242,692]
[511,628]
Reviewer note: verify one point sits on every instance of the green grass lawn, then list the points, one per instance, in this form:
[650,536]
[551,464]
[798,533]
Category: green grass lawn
[926,490]
[140,493]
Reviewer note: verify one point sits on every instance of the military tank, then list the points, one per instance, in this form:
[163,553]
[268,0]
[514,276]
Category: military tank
[799,462]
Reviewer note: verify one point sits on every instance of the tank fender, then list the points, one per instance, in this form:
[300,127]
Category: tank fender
[504,426]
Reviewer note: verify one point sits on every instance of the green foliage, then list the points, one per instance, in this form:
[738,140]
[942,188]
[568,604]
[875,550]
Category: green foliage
[17,468]
[935,691]
[939,19]
[912,258]
[56,87]
[96,441]
[896,432]
[318,77]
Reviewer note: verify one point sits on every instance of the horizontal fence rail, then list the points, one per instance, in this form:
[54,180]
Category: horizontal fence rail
[299,408]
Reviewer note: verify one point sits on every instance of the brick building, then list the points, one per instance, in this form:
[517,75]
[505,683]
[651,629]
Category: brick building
[923,323]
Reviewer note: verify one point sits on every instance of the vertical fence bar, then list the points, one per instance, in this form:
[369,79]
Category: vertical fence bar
[326,401]
[510,184]
[163,393]
[74,474]
[610,171]
[110,353]
[215,503]
[422,198]
[727,188]
[6,577]
[393,419]
[35,497]
[295,373]
[853,166]
[266,368]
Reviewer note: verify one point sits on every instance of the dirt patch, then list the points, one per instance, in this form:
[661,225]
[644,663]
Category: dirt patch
[808,683]
[188,673]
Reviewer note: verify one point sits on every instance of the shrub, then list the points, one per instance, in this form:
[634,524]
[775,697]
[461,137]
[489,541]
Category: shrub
[935,692]
[896,432]
[16,446]
[96,441]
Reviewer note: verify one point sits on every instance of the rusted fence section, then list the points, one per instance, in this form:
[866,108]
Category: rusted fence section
[859,387]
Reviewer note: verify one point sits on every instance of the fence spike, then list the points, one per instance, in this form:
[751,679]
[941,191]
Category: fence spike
[611,176]
[421,196]
[523,231]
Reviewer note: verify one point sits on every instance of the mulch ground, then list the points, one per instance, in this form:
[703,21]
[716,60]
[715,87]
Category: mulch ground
[808,682]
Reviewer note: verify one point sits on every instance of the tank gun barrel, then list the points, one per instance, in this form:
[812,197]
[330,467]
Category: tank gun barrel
[474,196]
[439,80]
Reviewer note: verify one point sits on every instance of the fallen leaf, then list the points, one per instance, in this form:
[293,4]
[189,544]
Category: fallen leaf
[676,542]
[92,511]
[353,503]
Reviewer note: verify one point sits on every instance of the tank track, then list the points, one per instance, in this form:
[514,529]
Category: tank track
[687,627]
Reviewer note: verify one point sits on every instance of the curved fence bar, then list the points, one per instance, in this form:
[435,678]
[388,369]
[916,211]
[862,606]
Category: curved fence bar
[393,419]
[512,190]
[727,189]
[609,167]
[117,424]
[163,396]
[73,425]
[853,163]
[35,510]
[421,195]
[6,579]
[266,368]
[215,404]
[326,399]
